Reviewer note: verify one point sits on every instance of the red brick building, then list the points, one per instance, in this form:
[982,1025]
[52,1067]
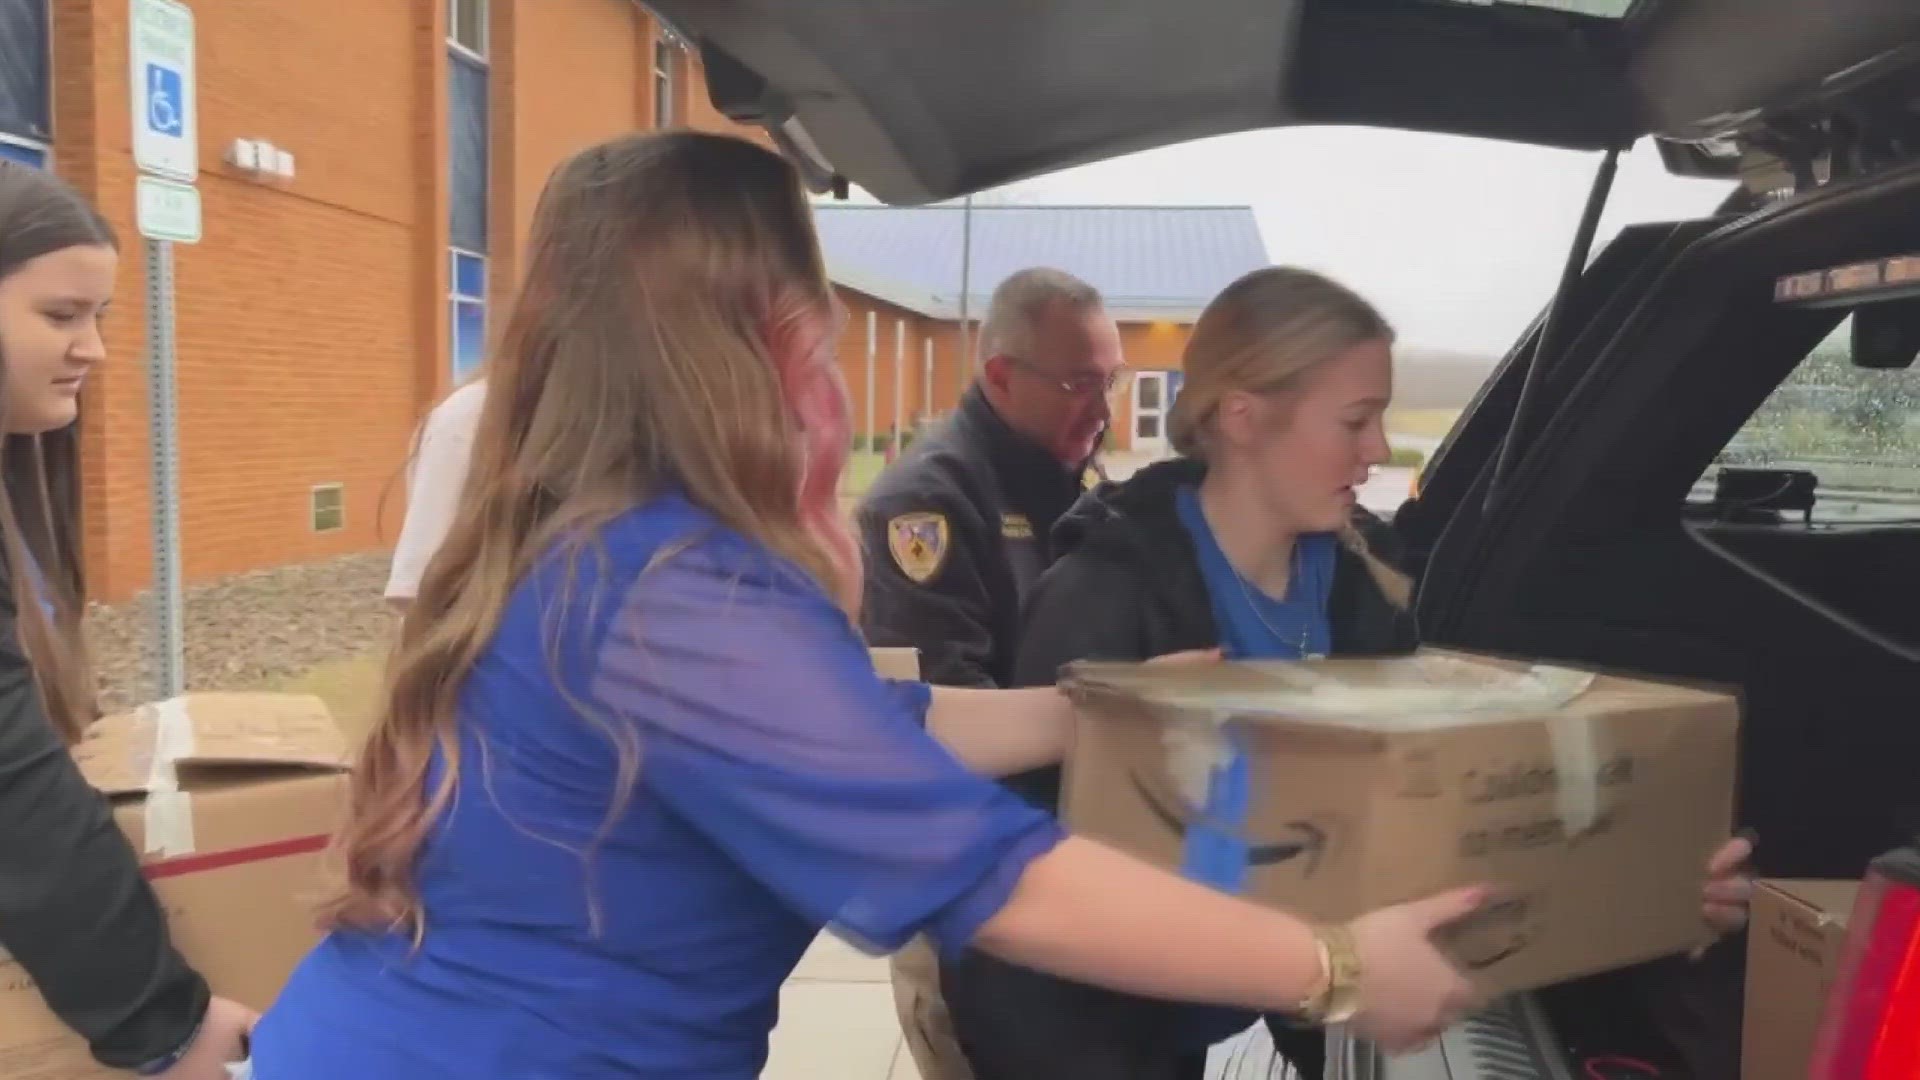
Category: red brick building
[321,315]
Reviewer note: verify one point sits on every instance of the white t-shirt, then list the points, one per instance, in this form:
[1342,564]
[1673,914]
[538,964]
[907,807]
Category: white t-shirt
[434,480]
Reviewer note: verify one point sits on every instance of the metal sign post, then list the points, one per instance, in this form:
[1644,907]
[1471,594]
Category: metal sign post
[165,144]
[169,598]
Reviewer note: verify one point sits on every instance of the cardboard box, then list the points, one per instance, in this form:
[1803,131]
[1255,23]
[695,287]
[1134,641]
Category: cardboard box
[1592,801]
[1798,931]
[230,799]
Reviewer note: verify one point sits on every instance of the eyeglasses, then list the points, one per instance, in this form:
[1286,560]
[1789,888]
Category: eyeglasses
[1077,385]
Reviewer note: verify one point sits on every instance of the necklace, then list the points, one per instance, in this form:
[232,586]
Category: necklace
[1294,572]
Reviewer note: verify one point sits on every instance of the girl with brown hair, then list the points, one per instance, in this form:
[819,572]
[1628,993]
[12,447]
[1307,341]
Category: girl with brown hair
[634,754]
[75,912]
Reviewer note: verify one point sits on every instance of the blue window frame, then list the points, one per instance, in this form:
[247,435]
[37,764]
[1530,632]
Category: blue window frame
[25,98]
[469,159]
[468,308]
[23,152]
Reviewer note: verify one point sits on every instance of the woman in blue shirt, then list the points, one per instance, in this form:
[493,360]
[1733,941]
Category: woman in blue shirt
[634,754]
[1252,541]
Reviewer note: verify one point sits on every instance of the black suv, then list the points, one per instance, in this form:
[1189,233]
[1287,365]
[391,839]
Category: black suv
[1703,461]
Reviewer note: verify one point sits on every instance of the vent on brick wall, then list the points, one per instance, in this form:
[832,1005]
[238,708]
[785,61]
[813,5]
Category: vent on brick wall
[329,508]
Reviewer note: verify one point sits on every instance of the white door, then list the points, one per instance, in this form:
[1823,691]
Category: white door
[1150,412]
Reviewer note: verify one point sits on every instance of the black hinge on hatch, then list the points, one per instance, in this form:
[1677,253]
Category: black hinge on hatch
[1553,329]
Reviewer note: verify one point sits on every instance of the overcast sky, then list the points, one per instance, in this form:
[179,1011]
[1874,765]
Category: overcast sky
[1460,241]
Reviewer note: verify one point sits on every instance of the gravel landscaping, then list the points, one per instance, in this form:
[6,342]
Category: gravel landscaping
[248,631]
[270,628]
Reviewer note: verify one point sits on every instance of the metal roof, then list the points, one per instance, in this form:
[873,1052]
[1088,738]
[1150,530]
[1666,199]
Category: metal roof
[1150,262]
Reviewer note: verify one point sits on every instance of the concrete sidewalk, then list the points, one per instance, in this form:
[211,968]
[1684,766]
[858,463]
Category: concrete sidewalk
[837,1023]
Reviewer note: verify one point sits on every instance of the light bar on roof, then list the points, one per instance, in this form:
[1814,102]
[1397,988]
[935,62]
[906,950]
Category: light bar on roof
[1892,278]
[1598,9]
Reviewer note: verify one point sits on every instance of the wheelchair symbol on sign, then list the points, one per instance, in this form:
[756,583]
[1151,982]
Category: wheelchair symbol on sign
[164,115]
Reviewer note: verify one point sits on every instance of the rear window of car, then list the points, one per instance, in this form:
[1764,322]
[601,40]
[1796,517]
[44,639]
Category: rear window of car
[1856,429]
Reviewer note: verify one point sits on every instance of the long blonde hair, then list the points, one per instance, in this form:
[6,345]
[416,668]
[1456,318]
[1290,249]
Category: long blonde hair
[1262,335]
[40,473]
[637,356]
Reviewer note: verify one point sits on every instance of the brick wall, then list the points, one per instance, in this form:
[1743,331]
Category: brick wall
[909,362]
[296,315]
[313,316]
[312,319]
[567,74]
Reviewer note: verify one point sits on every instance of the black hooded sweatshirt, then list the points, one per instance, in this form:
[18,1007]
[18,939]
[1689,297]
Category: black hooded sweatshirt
[76,916]
[1127,586]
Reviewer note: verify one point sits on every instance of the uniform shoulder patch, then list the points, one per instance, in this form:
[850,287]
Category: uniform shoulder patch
[919,543]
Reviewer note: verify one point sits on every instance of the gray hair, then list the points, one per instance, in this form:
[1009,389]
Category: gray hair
[1019,303]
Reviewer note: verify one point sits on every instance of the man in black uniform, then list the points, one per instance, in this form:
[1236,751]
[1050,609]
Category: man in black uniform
[956,531]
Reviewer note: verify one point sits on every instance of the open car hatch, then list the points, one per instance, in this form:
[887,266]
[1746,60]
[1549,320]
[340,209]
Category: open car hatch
[922,100]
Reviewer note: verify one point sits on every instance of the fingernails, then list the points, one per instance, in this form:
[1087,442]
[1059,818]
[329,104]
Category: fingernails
[1749,834]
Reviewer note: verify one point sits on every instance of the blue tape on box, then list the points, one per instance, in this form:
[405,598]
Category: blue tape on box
[1216,846]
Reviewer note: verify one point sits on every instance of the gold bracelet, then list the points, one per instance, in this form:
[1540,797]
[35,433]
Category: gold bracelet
[1338,999]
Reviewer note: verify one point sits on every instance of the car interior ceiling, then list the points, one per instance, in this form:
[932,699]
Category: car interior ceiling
[1590,557]
[890,94]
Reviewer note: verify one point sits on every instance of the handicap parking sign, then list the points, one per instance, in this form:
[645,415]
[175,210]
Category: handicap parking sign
[160,74]
[165,115]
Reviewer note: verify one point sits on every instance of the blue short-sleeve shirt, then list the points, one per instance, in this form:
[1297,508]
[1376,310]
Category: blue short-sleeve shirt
[779,787]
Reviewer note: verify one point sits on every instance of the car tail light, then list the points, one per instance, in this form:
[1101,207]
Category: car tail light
[1871,1027]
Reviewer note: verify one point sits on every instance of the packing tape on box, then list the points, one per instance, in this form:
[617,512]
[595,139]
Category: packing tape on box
[1203,750]
[1575,742]
[1207,761]
[169,811]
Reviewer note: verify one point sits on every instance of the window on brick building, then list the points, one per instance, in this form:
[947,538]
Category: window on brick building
[469,159]
[666,75]
[469,310]
[26,124]
[466,26]
[469,153]
[23,152]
